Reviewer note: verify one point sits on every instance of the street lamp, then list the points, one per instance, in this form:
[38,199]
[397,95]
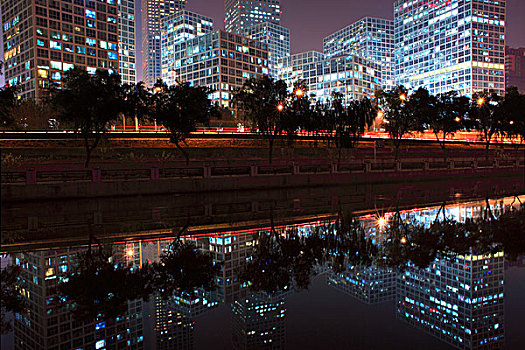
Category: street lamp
[280,107]
[403,240]
[458,119]
[299,92]
[381,222]
[480,101]
[403,97]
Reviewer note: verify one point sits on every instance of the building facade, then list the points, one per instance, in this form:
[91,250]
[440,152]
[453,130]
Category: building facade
[219,60]
[126,42]
[276,37]
[515,68]
[153,11]
[352,76]
[177,28]
[242,14]
[458,300]
[43,39]
[446,45]
[371,38]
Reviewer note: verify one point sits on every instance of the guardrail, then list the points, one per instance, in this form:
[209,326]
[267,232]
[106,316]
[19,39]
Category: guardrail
[47,174]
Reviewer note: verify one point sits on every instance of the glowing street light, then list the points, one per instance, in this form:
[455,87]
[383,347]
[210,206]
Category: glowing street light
[480,101]
[511,122]
[403,97]
[129,252]
[458,119]
[280,107]
[403,240]
[299,92]
[380,114]
[381,222]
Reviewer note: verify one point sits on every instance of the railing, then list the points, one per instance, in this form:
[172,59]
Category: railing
[47,174]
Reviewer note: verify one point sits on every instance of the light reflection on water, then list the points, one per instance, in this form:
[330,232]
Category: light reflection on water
[458,299]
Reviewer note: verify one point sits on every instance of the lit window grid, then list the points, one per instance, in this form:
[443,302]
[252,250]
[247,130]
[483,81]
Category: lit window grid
[243,14]
[352,76]
[371,38]
[278,40]
[27,51]
[127,63]
[452,46]
[219,60]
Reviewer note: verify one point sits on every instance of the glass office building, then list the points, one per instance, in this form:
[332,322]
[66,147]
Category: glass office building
[219,60]
[242,14]
[352,76]
[448,45]
[43,39]
[370,38]
[177,28]
[276,37]
[126,42]
[153,11]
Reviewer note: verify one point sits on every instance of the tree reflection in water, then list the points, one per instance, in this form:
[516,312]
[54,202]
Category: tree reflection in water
[285,258]
[100,288]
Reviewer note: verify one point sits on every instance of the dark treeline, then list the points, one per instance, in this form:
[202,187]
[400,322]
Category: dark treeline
[88,103]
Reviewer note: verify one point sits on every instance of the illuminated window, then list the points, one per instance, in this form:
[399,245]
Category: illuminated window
[56,65]
[91,14]
[112,55]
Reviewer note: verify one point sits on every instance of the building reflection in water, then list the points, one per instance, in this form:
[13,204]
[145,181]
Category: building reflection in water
[458,299]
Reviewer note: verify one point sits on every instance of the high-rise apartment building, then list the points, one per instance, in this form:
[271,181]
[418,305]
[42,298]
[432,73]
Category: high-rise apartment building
[458,300]
[352,76]
[219,60]
[153,11]
[177,28]
[276,37]
[43,39]
[370,38]
[242,14]
[445,45]
[126,42]
[515,68]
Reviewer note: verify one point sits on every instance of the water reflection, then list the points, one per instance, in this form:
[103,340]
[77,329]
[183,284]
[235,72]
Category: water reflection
[442,266]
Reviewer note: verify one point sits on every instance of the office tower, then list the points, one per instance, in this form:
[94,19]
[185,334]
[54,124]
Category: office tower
[50,325]
[448,45]
[43,39]
[219,60]
[515,68]
[370,38]
[177,28]
[258,321]
[371,285]
[153,11]
[242,14]
[352,76]
[126,42]
[456,299]
[276,37]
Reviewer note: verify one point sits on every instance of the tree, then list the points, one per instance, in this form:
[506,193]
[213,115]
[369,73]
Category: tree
[30,114]
[513,108]
[180,108]
[263,102]
[8,101]
[446,116]
[11,300]
[137,101]
[400,115]
[487,115]
[88,103]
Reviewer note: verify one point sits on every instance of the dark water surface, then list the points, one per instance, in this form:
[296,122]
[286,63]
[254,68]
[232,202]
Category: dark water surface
[298,269]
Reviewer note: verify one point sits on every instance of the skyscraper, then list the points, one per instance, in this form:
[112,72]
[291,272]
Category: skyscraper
[370,38]
[43,39]
[445,45]
[152,13]
[242,14]
[350,75]
[219,60]
[515,68]
[126,42]
[277,38]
